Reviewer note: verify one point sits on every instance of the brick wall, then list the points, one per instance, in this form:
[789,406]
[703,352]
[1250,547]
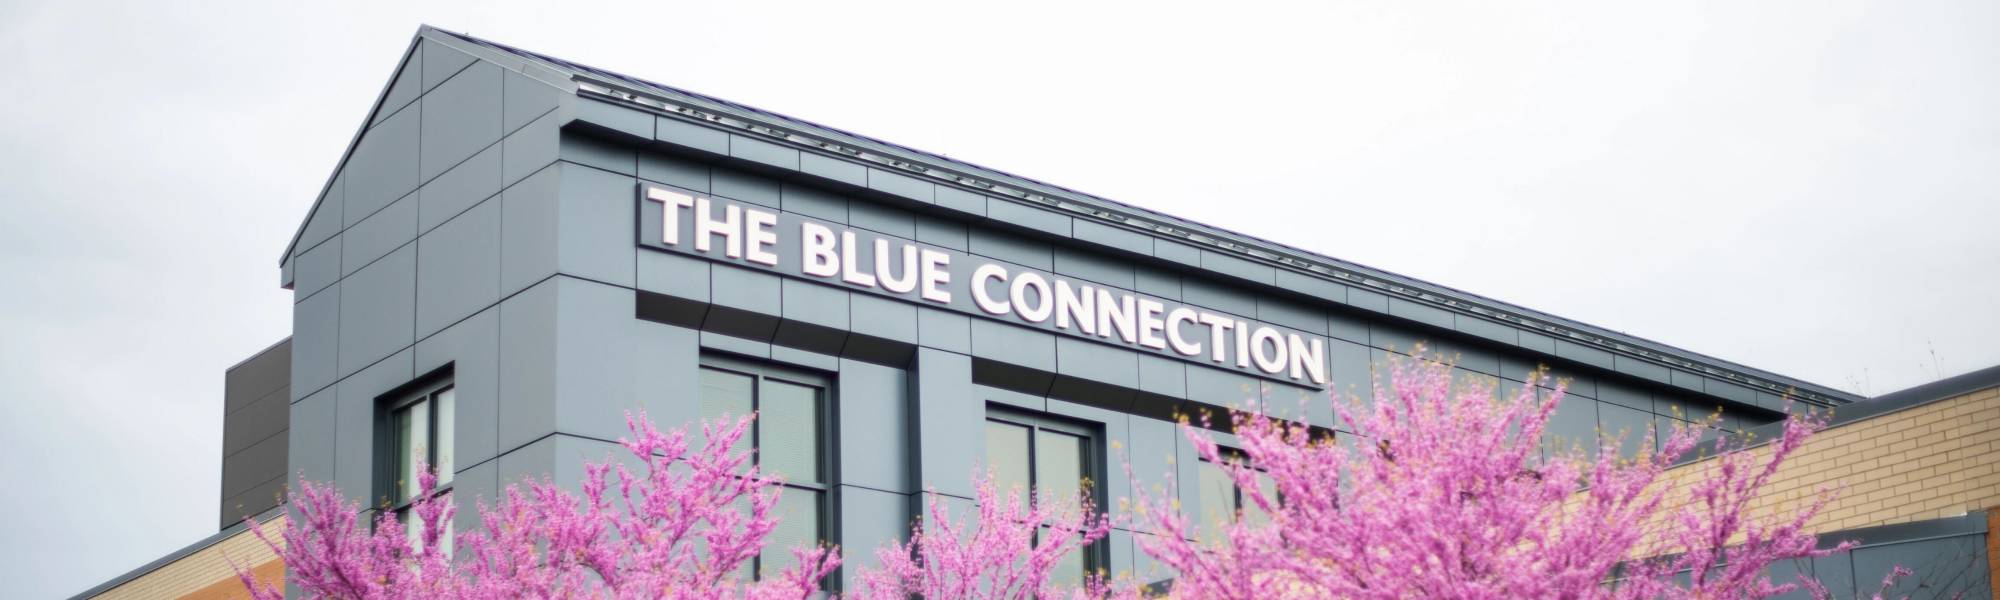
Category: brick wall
[1935,460]
[206,574]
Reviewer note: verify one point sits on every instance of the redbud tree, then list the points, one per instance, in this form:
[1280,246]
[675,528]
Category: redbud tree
[1442,491]
[684,530]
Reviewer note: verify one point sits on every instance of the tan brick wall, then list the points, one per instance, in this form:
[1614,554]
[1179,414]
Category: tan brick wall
[1936,460]
[206,574]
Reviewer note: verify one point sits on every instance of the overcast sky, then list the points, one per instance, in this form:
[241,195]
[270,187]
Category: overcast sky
[1810,187]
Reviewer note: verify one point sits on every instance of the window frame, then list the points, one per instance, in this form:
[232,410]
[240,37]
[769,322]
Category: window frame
[1096,555]
[827,464]
[388,461]
[1240,507]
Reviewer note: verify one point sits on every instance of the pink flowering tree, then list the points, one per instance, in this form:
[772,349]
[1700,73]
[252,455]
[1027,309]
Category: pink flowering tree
[685,529]
[1010,553]
[1442,492]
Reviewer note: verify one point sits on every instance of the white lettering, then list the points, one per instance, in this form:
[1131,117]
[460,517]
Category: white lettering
[979,291]
[1273,361]
[1180,344]
[1076,303]
[1150,324]
[819,260]
[936,275]
[671,203]
[890,282]
[730,228]
[1035,309]
[1310,357]
[761,237]
[849,272]
[1218,326]
[1117,315]
[1243,344]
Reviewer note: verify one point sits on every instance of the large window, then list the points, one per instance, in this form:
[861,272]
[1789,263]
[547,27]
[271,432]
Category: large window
[1222,502]
[420,427]
[789,438]
[1041,459]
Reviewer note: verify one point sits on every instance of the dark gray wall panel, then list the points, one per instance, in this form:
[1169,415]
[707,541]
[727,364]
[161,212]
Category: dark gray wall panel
[1156,282]
[738,185]
[472,347]
[470,486]
[315,341]
[883,318]
[833,168]
[461,117]
[312,436]
[1225,389]
[1010,248]
[1123,239]
[260,462]
[1014,345]
[1151,452]
[1237,267]
[609,363]
[469,183]
[378,310]
[882,219]
[523,99]
[676,131]
[674,171]
[256,421]
[944,330]
[1213,295]
[1312,286]
[1162,376]
[356,406]
[326,219]
[1093,267]
[316,269]
[947,417]
[813,203]
[1092,361]
[529,149]
[383,166]
[673,275]
[942,233]
[528,218]
[458,268]
[405,88]
[440,63]
[379,234]
[869,519]
[1037,219]
[625,123]
[527,366]
[873,405]
[598,153]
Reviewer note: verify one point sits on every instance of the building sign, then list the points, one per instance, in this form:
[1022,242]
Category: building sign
[797,246]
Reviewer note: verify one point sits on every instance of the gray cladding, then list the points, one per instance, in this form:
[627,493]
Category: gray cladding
[485,226]
[256,423]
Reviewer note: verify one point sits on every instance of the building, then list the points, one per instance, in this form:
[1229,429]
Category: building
[516,249]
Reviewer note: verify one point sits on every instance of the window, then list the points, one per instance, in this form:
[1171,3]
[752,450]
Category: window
[1053,458]
[789,439]
[421,428]
[1222,502]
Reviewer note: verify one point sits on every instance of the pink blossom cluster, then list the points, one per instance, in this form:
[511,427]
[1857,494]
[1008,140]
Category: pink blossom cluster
[1440,491]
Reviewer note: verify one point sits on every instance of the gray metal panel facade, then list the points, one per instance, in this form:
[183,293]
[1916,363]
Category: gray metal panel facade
[488,226]
[255,442]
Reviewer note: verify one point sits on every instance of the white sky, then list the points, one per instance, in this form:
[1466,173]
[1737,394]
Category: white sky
[1805,186]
